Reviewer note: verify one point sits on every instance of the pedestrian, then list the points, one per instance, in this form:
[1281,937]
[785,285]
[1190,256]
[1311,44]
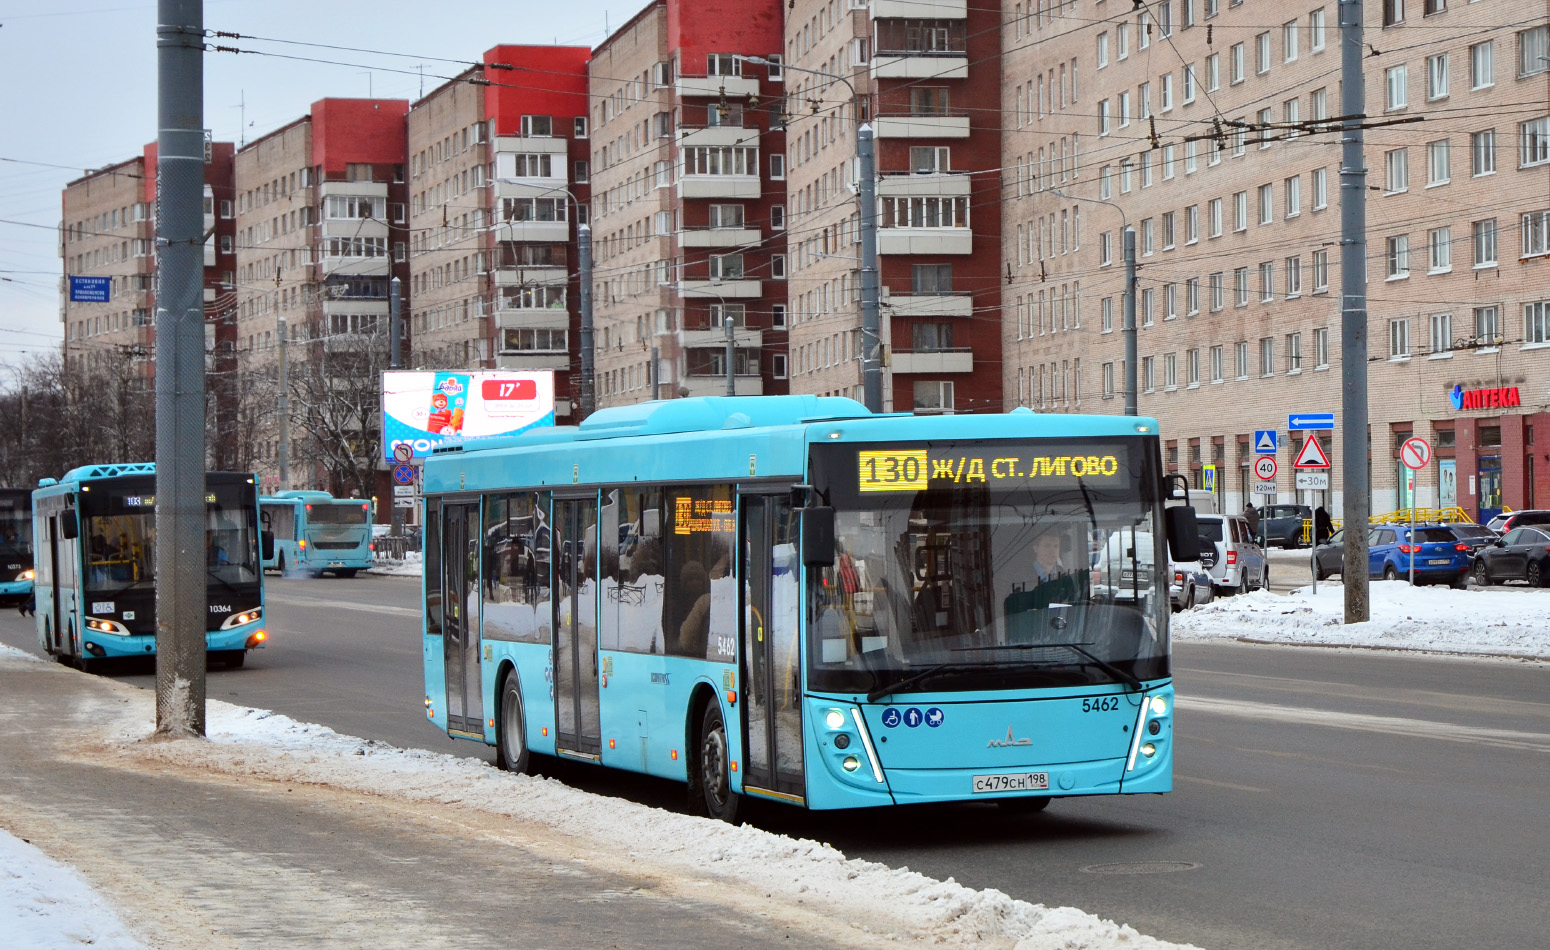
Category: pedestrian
[1251,515]
[1321,525]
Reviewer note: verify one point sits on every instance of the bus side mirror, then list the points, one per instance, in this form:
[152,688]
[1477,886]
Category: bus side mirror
[69,527]
[266,544]
[1183,533]
[818,537]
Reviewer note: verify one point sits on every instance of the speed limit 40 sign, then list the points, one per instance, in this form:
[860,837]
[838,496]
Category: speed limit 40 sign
[1265,468]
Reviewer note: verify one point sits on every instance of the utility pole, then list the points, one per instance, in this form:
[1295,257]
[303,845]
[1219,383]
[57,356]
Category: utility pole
[395,324]
[588,368]
[1353,312]
[180,371]
[656,374]
[1131,345]
[283,407]
[726,322]
[871,340]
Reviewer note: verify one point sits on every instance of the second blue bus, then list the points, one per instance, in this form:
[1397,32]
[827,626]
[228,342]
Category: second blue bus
[315,532]
[16,570]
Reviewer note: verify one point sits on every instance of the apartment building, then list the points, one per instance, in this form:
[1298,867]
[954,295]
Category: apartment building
[321,228]
[108,229]
[689,202]
[498,169]
[1202,125]
[926,75]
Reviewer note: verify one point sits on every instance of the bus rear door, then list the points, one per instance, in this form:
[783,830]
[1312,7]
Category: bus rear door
[578,727]
[460,618]
[772,687]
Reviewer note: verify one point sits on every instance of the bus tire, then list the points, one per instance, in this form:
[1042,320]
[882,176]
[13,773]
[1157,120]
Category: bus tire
[511,751]
[1023,806]
[280,563]
[713,779]
[345,573]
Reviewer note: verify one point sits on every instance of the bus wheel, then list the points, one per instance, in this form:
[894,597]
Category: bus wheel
[346,574]
[717,800]
[280,563]
[511,751]
[1023,806]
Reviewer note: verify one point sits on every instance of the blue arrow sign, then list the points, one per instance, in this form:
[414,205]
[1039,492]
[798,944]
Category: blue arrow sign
[1311,420]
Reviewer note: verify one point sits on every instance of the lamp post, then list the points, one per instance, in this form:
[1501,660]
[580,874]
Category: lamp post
[1132,345]
[588,389]
[866,199]
[730,334]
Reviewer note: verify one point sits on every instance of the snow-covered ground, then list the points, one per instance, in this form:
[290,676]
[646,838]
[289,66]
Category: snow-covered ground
[45,905]
[1512,621]
[410,566]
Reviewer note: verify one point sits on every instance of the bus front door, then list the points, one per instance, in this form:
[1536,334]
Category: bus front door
[460,617]
[578,727]
[772,678]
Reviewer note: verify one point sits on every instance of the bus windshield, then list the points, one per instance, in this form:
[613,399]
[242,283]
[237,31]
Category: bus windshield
[988,564]
[120,538]
[15,528]
[337,526]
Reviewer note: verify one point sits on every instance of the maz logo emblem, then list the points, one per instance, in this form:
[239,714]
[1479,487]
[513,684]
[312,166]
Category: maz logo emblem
[1008,741]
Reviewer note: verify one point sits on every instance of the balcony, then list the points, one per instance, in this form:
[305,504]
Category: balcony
[532,145]
[921,126]
[920,9]
[719,186]
[559,362]
[708,337]
[925,241]
[939,185]
[374,266]
[931,305]
[716,289]
[523,276]
[549,232]
[915,66]
[736,86]
[718,135]
[719,237]
[717,385]
[932,361]
[352,189]
[531,318]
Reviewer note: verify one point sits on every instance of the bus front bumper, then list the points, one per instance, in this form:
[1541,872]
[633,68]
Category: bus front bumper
[103,645]
[21,589]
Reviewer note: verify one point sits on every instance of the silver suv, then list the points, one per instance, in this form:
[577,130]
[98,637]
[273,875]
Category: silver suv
[1240,565]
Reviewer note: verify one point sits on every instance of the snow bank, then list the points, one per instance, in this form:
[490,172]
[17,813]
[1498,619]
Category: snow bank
[410,566]
[809,874]
[1503,622]
[47,906]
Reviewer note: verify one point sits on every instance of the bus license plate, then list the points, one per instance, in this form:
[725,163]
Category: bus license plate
[1012,782]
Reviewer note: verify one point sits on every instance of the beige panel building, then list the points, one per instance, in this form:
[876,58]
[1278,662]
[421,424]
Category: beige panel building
[1203,126]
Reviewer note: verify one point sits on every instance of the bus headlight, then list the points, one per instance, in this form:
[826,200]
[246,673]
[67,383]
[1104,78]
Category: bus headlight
[247,616]
[1148,750]
[1159,705]
[834,719]
[851,763]
[27,575]
[107,626]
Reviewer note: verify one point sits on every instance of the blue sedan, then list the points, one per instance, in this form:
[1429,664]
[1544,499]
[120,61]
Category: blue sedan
[1438,554]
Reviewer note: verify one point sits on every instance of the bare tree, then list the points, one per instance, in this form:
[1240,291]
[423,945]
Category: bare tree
[336,403]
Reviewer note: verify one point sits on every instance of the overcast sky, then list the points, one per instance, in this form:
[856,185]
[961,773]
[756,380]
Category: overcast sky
[79,81]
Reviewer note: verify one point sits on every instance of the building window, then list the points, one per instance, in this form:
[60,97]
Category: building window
[1533,51]
[1106,314]
[1267,282]
[1192,368]
[1440,241]
[1442,333]
[1536,322]
[924,212]
[1293,188]
[777,167]
[778,266]
[1108,380]
[720,160]
[1482,153]
[1242,353]
[1399,256]
[773,64]
[1294,352]
[1236,61]
[1214,217]
[1438,163]
[1482,65]
[933,396]
[1316,30]
[778,315]
[1484,240]
[1395,84]
[1293,277]
[1262,53]
[1437,76]
[1289,41]
[1393,12]
[1396,164]
[1216,285]
[1148,374]
[1321,348]
[778,365]
[777,217]
[928,100]
[1534,142]
[1536,233]
[1240,287]
[1267,206]
[1399,339]
[931,280]
[1192,296]
[1488,330]
[723,64]
[537,126]
[1320,189]
[726,267]
[1171,371]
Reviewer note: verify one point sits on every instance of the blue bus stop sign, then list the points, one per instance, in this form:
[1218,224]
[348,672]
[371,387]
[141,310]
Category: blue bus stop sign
[90,289]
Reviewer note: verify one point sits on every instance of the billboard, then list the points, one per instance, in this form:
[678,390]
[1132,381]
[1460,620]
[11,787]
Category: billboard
[424,409]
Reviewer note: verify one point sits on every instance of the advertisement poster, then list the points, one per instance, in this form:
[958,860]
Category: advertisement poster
[424,409]
[1448,483]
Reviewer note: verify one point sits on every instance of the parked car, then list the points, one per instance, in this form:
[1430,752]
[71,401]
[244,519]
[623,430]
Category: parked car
[1522,554]
[1476,536]
[1240,563]
[1282,524]
[1329,557]
[1522,519]
[1183,576]
[1495,524]
[1439,556]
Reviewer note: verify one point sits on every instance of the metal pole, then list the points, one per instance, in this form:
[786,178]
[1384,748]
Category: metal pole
[396,323]
[1355,504]
[656,374]
[1413,546]
[283,408]
[180,371]
[1131,345]
[584,258]
[726,321]
[871,340]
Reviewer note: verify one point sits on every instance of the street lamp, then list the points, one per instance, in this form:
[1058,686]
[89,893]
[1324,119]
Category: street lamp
[866,198]
[726,322]
[584,265]
[1128,240]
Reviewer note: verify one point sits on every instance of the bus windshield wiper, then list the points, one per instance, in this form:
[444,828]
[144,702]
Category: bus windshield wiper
[924,674]
[1128,679]
[229,585]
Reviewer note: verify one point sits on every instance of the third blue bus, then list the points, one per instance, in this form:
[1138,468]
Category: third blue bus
[314,531]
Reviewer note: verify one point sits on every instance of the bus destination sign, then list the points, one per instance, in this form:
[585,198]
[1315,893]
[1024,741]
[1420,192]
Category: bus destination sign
[887,470]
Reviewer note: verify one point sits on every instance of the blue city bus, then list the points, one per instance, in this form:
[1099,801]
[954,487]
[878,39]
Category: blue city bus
[314,531]
[793,599]
[94,531]
[16,570]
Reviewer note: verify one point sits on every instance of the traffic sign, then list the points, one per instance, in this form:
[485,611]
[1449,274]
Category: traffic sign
[90,289]
[403,503]
[403,491]
[1265,468]
[403,452]
[1264,488]
[1311,420]
[1313,480]
[1265,441]
[403,474]
[1208,478]
[1415,453]
[1312,455]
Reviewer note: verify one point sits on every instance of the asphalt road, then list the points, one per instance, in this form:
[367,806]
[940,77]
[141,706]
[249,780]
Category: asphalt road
[1324,798]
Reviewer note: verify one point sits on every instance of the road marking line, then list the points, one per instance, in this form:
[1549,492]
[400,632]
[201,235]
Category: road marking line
[1362,722]
[1206,781]
[368,608]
